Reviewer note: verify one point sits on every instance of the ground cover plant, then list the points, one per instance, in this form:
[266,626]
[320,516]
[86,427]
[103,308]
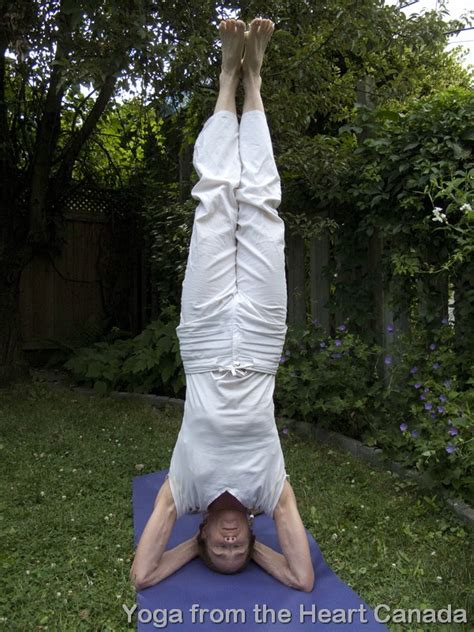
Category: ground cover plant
[67,463]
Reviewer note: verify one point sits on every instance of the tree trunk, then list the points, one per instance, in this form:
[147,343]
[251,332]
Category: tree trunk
[13,365]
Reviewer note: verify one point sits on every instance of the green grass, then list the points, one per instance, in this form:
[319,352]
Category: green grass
[67,463]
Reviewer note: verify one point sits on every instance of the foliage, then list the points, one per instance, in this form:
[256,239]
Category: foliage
[414,157]
[411,179]
[171,227]
[415,412]
[421,415]
[326,379]
[148,363]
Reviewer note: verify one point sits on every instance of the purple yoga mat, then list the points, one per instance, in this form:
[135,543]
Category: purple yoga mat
[196,598]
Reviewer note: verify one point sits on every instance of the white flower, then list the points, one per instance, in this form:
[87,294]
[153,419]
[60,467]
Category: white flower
[438,215]
[466,207]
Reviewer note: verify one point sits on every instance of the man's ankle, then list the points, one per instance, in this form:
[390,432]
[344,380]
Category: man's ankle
[252,82]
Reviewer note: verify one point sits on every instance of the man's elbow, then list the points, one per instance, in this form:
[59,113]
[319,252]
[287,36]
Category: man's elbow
[141,580]
[306,583]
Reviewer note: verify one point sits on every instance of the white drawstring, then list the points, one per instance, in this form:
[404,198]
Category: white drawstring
[236,368]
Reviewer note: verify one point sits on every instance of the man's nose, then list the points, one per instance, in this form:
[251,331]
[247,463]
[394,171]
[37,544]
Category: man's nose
[230,538]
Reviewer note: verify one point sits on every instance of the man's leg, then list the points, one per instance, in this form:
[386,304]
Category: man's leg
[210,280]
[260,234]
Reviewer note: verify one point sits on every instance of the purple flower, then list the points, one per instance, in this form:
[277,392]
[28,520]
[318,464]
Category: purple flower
[447,383]
[336,356]
[435,365]
[315,322]
[390,329]
[428,406]
[322,345]
[432,346]
[403,427]
[422,397]
[285,431]
[426,390]
[282,359]
[441,409]
[433,414]
[453,431]
[342,328]
[418,385]
[450,448]
[414,433]
[413,369]
[388,359]
[442,398]
[337,342]
[444,321]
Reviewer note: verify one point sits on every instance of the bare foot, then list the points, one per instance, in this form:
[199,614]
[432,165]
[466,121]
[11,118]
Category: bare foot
[232,34]
[256,40]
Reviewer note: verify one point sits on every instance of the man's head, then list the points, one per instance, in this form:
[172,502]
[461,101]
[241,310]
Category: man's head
[226,540]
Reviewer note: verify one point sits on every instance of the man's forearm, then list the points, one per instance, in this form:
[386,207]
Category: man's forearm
[275,564]
[154,538]
[171,561]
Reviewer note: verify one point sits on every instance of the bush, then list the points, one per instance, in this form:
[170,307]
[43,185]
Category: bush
[148,363]
[422,417]
[417,413]
[326,379]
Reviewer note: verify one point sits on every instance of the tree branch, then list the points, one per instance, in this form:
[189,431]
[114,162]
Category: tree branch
[48,133]
[73,148]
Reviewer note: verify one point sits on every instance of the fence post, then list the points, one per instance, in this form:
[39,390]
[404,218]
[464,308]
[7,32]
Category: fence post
[319,283]
[296,279]
[463,309]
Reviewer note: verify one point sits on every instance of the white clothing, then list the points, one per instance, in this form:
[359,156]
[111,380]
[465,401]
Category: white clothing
[233,321]
[228,441]
[234,298]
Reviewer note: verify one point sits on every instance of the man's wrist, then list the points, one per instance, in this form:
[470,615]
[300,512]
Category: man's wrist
[194,545]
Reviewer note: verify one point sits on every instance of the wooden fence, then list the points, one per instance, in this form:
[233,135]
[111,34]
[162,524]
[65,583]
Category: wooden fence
[65,294]
[310,293]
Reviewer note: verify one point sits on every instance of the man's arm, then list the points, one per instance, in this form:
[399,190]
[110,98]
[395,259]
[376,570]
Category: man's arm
[152,563]
[294,568]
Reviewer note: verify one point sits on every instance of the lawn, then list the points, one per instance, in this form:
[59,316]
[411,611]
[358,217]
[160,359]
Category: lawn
[67,463]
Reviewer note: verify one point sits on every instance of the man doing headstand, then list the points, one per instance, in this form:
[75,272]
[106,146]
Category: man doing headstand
[227,461]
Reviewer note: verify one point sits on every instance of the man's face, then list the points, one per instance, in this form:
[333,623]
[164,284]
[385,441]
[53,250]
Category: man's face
[227,534]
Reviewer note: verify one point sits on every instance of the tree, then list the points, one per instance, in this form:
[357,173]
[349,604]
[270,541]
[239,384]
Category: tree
[47,51]
[167,49]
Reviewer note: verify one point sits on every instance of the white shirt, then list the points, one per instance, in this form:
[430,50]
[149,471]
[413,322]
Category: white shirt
[228,441]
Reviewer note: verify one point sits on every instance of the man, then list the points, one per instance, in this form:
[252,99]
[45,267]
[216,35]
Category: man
[228,461]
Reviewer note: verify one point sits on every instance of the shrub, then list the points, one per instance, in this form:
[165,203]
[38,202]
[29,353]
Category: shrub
[148,363]
[326,379]
[421,416]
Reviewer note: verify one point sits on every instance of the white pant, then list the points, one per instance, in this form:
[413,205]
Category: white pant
[234,297]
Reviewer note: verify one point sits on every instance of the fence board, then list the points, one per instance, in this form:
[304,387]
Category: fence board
[61,293]
[319,283]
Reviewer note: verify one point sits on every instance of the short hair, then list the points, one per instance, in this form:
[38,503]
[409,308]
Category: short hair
[206,558]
